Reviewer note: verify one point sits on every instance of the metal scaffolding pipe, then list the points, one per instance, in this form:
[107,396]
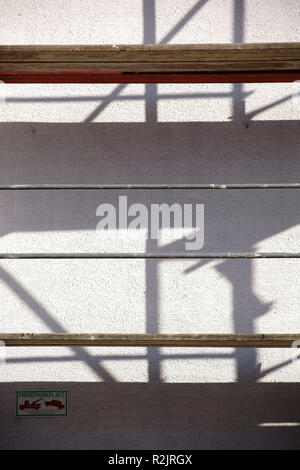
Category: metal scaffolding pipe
[19,187]
[185,255]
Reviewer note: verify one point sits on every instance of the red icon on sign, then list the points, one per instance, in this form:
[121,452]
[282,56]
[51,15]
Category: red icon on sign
[35,405]
[56,403]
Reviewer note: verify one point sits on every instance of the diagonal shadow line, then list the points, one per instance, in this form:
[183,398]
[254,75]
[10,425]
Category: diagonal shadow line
[45,316]
[105,103]
[268,371]
[183,21]
[250,115]
[167,38]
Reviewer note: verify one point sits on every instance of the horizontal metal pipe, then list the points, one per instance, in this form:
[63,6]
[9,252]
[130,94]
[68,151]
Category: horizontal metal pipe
[183,255]
[148,340]
[17,187]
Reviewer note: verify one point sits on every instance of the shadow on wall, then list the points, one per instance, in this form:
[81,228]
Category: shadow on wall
[157,415]
[160,416]
[157,153]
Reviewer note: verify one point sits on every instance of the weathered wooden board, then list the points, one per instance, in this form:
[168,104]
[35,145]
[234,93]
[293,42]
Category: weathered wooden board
[152,53]
[151,63]
[148,340]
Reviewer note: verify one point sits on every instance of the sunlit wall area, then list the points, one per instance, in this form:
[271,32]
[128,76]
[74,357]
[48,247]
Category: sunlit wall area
[131,398]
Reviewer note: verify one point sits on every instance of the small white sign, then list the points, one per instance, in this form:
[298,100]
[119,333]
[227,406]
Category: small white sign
[42,403]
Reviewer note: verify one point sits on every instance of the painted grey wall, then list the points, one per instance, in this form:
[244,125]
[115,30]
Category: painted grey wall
[157,398]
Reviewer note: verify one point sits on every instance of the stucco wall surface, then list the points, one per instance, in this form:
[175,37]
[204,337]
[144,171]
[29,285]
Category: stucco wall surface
[134,398]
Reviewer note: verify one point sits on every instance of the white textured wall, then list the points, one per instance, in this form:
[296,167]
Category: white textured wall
[138,398]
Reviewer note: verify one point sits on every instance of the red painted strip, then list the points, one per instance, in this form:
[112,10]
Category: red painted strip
[154,77]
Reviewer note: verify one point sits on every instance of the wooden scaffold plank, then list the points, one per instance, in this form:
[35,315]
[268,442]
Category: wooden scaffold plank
[167,63]
[148,340]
